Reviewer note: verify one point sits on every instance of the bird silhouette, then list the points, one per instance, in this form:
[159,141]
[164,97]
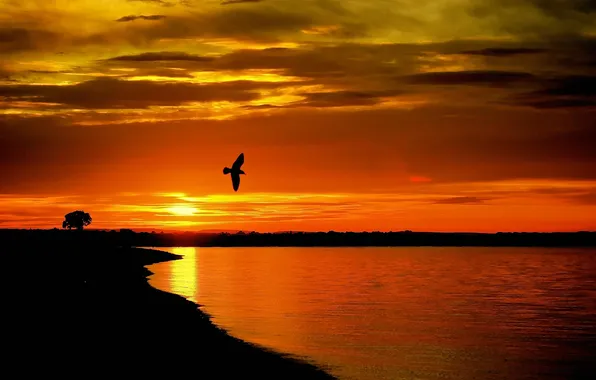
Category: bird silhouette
[235,171]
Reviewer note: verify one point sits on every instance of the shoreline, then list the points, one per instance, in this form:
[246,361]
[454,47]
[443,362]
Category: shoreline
[91,309]
[129,238]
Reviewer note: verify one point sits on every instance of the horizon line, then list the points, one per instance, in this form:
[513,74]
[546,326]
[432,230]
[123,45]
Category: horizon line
[216,231]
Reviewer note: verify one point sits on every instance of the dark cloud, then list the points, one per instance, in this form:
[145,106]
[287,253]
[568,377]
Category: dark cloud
[560,92]
[158,2]
[244,24]
[353,62]
[338,99]
[550,18]
[141,17]
[4,73]
[22,39]
[162,56]
[326,64]
[346,62]
[573,85]
[503,52]
[371,69]
[269,22]
[115,93]
[577,54]
[556,103]
[461,201]
[559,7]
[334,7]
[227,2]
[381,63]
[301,62]
[486,78]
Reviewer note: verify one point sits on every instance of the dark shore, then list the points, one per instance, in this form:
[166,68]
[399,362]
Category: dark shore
[126,237]
[84,311]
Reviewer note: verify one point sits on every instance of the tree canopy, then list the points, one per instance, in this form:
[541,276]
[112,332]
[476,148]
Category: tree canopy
[76,219]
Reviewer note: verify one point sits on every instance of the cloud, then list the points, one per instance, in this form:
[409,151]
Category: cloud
[370,67]
[343,62]
[485,78]
[141,17]
[157,2]
[295,61]
[5,73]
[573,85]
[17,39]
[503,52]
[557,103]
[227,2]
[356,68]
[332,21]
[537,18]
[338,99]
[560,92]
[242,24]
[556,7]
[461,201]
[271,22]
[116,93]
[161,56]
[344,70]
[163,72]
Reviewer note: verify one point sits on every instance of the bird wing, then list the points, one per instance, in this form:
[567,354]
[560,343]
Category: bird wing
[235,180]
[238,163]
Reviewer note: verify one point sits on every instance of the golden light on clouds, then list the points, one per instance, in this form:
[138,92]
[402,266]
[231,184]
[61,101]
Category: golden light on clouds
[325,29]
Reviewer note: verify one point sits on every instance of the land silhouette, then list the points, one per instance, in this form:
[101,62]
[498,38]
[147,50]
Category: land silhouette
[75,308]
[130,238]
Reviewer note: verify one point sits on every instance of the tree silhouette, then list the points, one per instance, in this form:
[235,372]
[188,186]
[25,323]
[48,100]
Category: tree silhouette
[76,219]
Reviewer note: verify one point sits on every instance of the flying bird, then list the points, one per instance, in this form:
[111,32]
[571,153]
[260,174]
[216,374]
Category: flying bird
[235,171]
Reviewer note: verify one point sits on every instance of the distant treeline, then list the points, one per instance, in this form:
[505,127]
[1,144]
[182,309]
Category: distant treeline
[126,237]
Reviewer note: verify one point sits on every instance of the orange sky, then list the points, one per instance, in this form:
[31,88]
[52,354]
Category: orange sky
[353,115]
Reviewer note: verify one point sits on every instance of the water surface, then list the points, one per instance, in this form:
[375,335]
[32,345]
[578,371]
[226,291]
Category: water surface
[403,313]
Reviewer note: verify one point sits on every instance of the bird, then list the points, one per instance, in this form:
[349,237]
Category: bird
[235,171]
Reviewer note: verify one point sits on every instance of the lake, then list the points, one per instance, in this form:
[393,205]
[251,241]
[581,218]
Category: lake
[403,313]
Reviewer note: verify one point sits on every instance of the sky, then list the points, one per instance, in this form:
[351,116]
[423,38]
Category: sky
[353,115]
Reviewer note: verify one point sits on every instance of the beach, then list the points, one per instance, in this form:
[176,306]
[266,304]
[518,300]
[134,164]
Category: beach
[74,310]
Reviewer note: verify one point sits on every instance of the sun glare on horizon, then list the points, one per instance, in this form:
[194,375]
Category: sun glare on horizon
[183,210]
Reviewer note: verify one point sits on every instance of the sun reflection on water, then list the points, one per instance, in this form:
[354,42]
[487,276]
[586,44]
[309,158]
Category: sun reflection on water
[184,279]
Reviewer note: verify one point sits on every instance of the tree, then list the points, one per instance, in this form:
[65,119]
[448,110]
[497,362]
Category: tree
[76,219]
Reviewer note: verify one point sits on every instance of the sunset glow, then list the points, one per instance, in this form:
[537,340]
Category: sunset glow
[182,210]
[353,115]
